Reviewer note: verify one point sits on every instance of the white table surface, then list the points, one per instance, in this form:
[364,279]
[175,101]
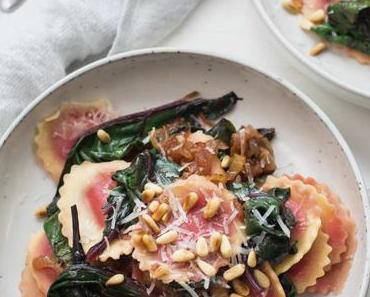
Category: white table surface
[234,27]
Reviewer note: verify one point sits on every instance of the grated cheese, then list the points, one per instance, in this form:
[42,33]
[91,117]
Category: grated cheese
[206,283]
[133,216]
[189,289]
[268,212]
[242,141]
[283,227]
[151,288]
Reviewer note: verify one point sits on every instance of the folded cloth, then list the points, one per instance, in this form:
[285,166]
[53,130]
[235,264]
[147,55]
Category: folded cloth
[42,38]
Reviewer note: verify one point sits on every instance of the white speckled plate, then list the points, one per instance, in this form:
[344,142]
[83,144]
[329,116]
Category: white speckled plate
[307,141]
[333,65]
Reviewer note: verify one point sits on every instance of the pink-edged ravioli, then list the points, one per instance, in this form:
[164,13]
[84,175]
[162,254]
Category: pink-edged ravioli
[41,269]
[190,228]
[312,266]
[301,203]
[57,134]
[334,219]
[88,186]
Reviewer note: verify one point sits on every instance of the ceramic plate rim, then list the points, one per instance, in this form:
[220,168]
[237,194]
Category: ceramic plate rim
[302,58]
[287,85]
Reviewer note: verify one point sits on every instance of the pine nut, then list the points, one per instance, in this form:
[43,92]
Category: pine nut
[211,208]
[161,210]
[190,200]
[156,188]
[225,247]
[202,247]
[151,223]
[234,272]
[166,217]
[115,280]
[252,259]
[206,268]
[225,163]
[168,237]
[147,195]
[306,24]
[182,256]
[317,49]
[149,243]
[41,212]
[240,287]
[235,295]
[161,271]
[262,279]
[317,17]
[215,241]
[291,6]
[137,239]
[153,206]
[103,136]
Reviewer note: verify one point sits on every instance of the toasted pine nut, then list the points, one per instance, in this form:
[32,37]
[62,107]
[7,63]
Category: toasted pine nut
[149,243]
[147,195]
[153,206]
[137,239]
[317,17]
[168,237]
[161,210]
[211,208]
[235,295]
[261,279]
[317,49]
[156,188]
[41,212]
[150,223]
[182,256]
[202,247]
[252,259]
[240,287]
[234,272]
[166,217]
[161,271]
[206,268]
[103,136]
[225,247]
[215,241]
[291,6]
[225,163]
[190,200]
[115,280]
[306,24]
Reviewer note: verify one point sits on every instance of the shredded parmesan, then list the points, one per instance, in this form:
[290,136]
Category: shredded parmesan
[242,141]
[206,283]
[151,288]
[283,227]
[131,228]
[189,289]
[268,212]
[140,205]
[133,216]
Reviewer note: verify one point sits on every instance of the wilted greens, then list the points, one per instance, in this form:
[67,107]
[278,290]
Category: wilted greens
[348,24]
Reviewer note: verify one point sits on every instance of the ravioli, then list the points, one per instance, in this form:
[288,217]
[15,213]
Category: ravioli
[334,218]
[117,248]
[307,217]
[227,221]
[41,270]
[312,266]
[87,186]
[58,133]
